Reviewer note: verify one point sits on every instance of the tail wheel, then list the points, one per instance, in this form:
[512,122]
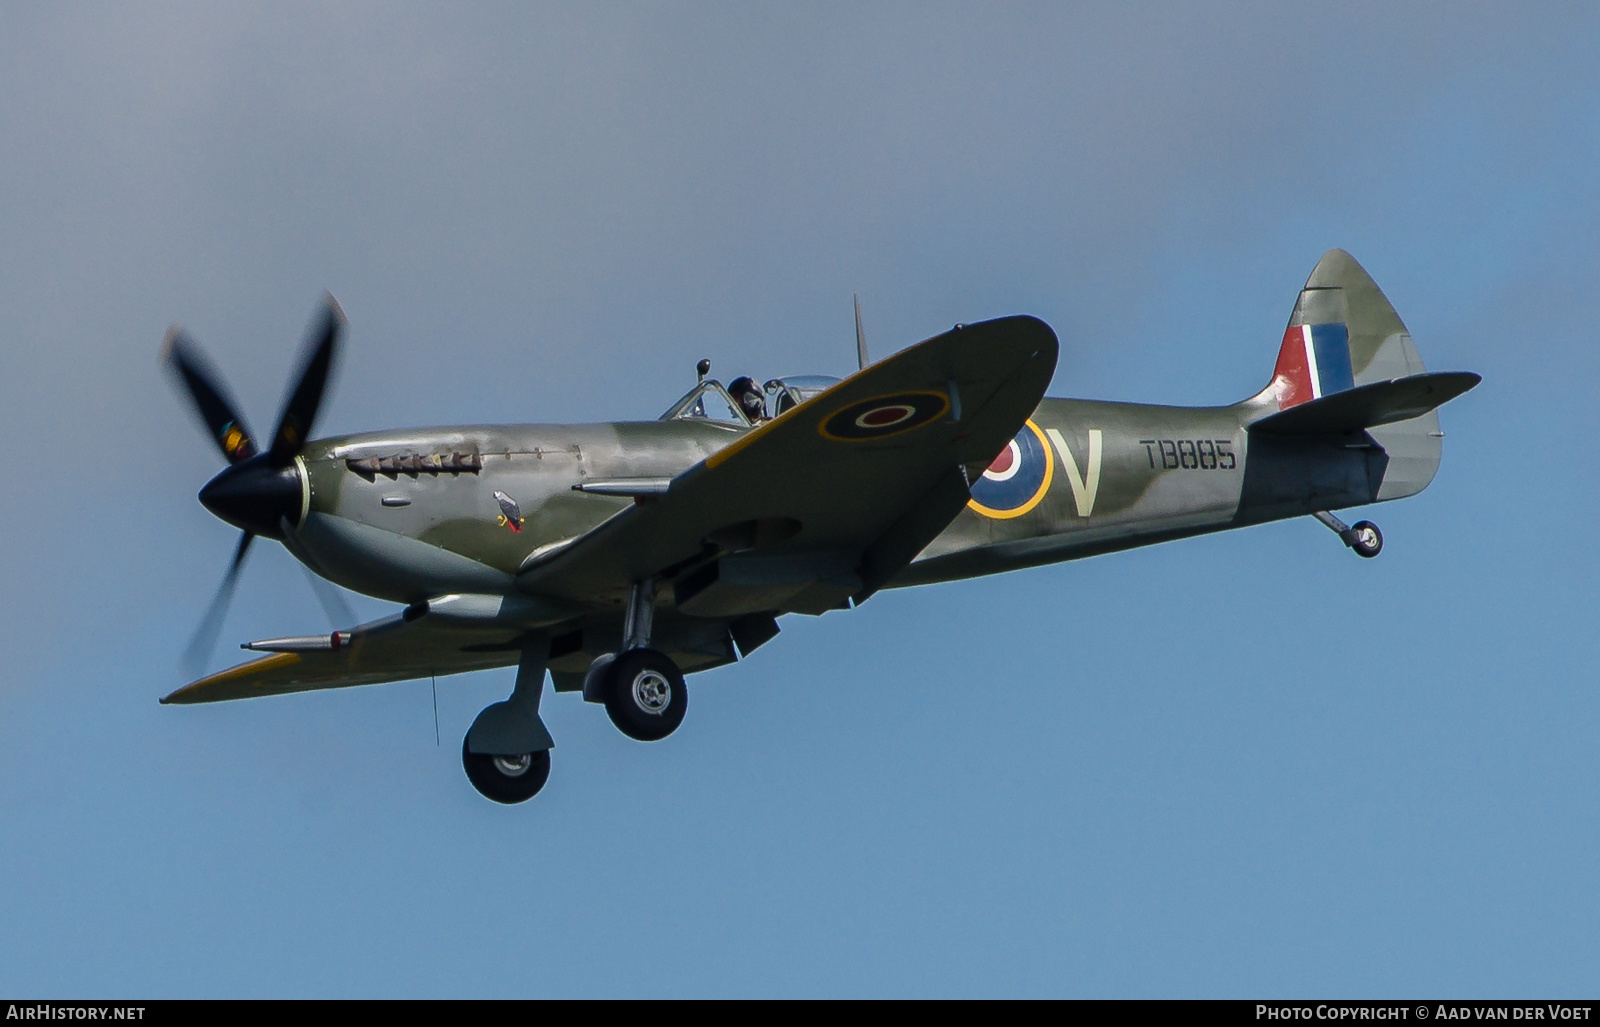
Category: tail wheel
[645,694]
[507,779]
[1366,539]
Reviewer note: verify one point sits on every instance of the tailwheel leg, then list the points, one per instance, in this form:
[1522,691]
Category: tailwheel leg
[1362,536]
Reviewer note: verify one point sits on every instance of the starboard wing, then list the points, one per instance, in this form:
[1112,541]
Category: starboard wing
[828,500]
[394,649]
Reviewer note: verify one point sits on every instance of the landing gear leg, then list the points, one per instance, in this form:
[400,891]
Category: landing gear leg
[1362,536]
[640,615]
[643,689]
[506,753]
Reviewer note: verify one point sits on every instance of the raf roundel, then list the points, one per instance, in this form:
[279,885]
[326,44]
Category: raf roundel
[882,416]
[1017,479]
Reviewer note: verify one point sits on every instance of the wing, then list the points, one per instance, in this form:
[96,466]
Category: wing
[394,649]
[824,503]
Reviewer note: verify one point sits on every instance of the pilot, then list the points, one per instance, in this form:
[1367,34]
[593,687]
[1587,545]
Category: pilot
[747,394]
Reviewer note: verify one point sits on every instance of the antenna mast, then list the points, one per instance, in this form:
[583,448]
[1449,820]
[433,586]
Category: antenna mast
[861,336]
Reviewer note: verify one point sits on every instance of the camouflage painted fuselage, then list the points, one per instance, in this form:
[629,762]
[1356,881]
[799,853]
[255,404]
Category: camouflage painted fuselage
[1119,475]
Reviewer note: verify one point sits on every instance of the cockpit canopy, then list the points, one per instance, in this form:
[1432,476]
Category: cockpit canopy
[711,401]
[708,401]
[784,393]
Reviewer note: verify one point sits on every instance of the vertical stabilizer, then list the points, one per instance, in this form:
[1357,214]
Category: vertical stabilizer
[1343,334]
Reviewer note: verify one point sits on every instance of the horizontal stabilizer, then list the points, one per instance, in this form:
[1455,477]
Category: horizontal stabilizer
[1368,406]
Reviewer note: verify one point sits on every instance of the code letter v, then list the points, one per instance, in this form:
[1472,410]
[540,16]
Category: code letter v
[1083,488]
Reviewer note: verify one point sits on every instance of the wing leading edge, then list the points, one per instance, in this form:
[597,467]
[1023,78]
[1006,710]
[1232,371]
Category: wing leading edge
[408,645]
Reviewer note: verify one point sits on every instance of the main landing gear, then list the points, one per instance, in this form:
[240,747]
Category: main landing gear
[506,753]
[644,694]
[643,690]
[507,750]
[506,779]
[1362,536]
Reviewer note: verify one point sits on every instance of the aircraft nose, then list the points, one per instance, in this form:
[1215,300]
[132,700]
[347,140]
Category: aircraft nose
[255,496]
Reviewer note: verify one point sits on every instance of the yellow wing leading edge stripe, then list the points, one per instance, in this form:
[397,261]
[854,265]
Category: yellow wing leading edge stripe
[244,670]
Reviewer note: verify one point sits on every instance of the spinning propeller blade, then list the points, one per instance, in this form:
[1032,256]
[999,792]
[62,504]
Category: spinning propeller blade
[210,395]
[300,409]
[204,643]
[334,604]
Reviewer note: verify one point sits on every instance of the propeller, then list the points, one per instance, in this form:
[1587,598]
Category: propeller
[204,641]
[316,363]
[334,604]
[212,401]
[262,493]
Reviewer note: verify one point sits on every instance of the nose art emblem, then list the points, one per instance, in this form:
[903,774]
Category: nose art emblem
[510,512]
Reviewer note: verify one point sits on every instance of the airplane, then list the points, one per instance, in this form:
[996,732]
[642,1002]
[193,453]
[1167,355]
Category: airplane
[619,557]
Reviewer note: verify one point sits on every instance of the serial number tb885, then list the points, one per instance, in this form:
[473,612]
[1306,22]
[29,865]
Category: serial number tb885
[1190,454]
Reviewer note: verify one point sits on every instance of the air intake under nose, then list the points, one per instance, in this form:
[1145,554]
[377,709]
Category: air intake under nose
[256,496]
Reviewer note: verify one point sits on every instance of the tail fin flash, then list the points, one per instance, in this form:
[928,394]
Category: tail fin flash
[1343,333]
[1345,337]
[1315,358]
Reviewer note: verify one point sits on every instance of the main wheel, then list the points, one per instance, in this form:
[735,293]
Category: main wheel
[506,779]
[645,694]
[1366,539]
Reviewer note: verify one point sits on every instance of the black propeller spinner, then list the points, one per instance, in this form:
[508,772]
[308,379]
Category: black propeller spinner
[259,492]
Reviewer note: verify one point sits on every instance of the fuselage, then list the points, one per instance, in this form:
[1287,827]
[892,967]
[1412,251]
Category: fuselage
[405,515]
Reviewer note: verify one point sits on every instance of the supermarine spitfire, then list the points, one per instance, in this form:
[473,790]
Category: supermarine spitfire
[619,557]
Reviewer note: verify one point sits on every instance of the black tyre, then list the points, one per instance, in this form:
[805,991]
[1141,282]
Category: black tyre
[645,694]
[506,779]
[1366,539]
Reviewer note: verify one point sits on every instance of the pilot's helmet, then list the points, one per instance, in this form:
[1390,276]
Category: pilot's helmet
[748,395]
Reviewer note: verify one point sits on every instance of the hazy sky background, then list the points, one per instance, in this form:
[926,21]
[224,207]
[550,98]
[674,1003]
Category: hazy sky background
[1250,764]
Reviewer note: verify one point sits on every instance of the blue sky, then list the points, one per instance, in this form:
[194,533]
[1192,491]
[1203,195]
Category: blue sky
[1244,765]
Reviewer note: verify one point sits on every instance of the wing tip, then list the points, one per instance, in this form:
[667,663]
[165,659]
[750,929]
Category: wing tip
[195,691]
